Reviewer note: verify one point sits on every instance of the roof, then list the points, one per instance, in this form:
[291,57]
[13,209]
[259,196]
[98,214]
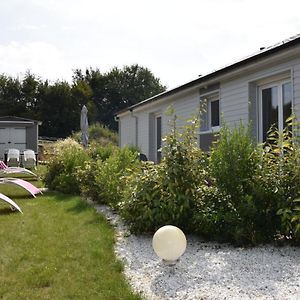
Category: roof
[14,119]
[263,53]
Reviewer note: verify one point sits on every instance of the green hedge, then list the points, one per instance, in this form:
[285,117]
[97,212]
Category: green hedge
[241,193]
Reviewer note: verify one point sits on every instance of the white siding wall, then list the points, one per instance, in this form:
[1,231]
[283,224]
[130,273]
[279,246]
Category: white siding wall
[296,84]
[235,93]
[127,130]
[183,105]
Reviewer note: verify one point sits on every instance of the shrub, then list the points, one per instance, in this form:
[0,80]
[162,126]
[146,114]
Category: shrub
[99,134]
[232,166]
[61,172]
[104,180]
[276,182]
[232,163]
[165,193]
[99,152]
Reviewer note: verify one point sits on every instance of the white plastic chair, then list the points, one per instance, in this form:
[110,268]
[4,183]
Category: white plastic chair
[29,160]
[13,157]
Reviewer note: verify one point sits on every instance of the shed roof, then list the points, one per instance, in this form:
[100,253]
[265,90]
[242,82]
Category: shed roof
[13,119]
[263,53]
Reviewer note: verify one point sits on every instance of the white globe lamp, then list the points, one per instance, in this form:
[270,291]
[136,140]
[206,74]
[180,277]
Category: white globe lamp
[169,243]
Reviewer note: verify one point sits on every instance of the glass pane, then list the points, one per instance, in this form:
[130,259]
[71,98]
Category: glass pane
[287,100]
[269,109]
[215,114]
[158,139]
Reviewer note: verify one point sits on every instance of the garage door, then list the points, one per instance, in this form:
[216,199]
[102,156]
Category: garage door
[12,137]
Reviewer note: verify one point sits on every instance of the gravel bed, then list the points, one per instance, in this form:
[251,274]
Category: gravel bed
[208,270]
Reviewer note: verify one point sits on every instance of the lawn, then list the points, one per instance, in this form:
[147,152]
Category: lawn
[58,249]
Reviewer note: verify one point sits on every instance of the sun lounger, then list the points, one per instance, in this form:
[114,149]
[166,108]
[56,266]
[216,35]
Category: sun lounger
[4,170]
[29,160]
[22,183]
[11,202]
[13,157]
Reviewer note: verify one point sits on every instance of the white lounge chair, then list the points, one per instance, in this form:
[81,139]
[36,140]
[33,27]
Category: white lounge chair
[11,202]
[29,160]
[5,170]
[29,187]
[13,158]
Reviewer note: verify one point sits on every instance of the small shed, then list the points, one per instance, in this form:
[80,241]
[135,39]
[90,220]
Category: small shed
[18,133]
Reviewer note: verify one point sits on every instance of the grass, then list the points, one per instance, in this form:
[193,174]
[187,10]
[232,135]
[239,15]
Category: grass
[60,248]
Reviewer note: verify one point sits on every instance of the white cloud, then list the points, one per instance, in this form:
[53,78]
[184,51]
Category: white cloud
[177,40]
[40,58]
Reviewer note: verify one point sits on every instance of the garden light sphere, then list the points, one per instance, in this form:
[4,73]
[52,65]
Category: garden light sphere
[169,243]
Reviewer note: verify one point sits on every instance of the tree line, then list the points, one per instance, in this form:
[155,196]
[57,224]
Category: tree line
[58,104]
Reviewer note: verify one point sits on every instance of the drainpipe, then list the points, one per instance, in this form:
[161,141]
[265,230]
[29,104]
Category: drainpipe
[117,119]
[136,126]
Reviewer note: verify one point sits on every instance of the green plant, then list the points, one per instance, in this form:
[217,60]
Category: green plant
[276,182]
[165,193]
[61,171]
[232,163]
[99,134]
[232,166]
[103,180]
[60,248]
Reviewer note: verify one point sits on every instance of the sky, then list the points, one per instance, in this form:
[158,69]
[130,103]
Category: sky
[176,40]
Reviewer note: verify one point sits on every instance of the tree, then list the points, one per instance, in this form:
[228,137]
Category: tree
[58,104]
[118,88]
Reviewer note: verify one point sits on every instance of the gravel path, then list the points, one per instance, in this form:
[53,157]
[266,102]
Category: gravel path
[208,270]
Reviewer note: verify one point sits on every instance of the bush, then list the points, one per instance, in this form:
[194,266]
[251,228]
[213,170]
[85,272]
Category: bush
[276,183]
[214,216]
[61,172]
[165,193]
[99,152]
[99,134]
[104,180]
[232,163]
[232,166]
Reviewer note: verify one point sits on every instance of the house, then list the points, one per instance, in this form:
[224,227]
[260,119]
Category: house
[18,133]
[262,88]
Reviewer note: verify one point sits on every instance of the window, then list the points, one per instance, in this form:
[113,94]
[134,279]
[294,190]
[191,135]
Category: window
[158,127]
[275,106]
[214,114]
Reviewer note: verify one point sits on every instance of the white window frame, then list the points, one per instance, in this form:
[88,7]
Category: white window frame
[279,85]
[209,102]
[210,97]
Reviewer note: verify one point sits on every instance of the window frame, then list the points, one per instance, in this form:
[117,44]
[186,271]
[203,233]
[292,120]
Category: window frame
[279,84]
[210,100]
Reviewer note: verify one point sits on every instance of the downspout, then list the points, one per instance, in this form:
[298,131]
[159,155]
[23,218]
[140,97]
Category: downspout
[117,119]
[136,126]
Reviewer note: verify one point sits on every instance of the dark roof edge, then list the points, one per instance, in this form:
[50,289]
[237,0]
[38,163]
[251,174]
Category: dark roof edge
[13,118]
[259,55]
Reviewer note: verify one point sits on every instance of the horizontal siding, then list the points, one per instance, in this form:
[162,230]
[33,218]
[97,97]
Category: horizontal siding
[296,85]
[235,93]
[127,131]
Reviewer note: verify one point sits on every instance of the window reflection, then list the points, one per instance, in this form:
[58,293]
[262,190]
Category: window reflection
[269,109]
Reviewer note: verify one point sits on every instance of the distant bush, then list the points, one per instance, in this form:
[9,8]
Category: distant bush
[99,152]
[99,134]
[61,172]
